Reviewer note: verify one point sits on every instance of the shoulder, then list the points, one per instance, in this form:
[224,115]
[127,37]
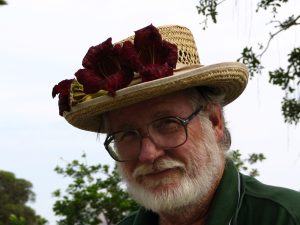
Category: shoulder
[141,216]
[280,195]
[273,201]
[129,220]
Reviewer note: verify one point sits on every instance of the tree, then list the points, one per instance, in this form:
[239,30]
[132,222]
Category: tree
[2,2]
[95,195]
[288,79]
[15,193]
[244,164]
[96,192]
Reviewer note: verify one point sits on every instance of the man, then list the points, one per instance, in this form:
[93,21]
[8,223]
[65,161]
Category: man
[162,113]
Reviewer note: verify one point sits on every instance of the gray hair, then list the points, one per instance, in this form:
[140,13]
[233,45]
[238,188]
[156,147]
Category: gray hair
[208,97]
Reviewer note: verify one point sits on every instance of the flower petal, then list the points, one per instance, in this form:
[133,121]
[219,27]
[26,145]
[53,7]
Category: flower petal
[155,71]
[97,53]
[63,91]
[117,81]
[90,80]
[62,87]
[129,57]
[169,54]
[148,43]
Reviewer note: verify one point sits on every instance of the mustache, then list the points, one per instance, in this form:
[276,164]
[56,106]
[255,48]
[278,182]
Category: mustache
[157,166]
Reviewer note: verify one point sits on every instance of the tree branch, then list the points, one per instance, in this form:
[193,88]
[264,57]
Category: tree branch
[283,26]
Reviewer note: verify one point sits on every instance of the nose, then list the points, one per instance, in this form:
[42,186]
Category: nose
[149,152]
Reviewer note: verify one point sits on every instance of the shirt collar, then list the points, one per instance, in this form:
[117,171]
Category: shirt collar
[226,199]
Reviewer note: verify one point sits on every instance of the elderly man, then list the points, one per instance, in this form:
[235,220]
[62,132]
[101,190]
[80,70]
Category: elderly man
[162,112]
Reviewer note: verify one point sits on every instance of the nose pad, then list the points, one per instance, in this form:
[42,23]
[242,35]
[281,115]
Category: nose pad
[149,151]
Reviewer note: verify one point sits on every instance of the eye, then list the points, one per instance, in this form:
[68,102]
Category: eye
[127,136]
[167,125]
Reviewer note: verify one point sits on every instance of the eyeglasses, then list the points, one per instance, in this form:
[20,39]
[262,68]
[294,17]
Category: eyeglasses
[168,133]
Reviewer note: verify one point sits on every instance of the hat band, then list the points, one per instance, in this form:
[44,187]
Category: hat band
[77,94]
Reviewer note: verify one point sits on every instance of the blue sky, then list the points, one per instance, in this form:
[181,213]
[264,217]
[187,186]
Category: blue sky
[44,41]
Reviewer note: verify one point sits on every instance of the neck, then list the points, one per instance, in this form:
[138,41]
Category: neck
[190,215]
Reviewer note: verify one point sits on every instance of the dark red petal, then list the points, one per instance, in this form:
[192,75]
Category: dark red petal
[148,43]
[97,53]
[90,80]
[63,91]
[154,71]
[62,88]
[169,53]
[118,80]
[129,57]
[147,36]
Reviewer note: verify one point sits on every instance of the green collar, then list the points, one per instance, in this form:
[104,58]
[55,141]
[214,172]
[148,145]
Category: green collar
[226,199]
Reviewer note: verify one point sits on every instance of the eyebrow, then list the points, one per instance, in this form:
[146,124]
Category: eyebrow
[159,114]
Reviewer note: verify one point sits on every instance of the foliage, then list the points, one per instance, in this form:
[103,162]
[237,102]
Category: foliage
[95,194]
[250,59]
[15,220]
[245,164]
[2,2]
[208,9]
[15,193]
[288,79]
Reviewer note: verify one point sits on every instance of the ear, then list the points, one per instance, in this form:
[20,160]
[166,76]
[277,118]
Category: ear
[216,119]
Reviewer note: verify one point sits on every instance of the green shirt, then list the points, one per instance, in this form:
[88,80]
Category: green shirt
[241,200]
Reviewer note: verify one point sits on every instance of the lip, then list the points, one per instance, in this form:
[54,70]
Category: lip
[161,174]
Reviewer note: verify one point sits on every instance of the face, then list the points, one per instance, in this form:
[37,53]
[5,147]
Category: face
[166,179]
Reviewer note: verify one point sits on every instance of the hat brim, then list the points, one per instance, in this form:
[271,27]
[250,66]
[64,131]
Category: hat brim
[228,78]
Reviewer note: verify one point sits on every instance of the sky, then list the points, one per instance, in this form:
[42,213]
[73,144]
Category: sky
[44,41]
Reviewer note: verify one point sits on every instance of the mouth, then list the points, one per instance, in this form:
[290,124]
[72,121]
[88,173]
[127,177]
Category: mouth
[161,176]
[159,173]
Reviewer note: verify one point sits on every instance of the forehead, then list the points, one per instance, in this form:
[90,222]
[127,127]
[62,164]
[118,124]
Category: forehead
[177,104]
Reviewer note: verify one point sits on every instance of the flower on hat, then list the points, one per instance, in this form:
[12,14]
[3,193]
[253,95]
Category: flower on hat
[63,91]
[109,67]
[158,56]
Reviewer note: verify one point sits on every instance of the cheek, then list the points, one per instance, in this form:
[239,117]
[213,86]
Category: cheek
[126,170]
[195,153]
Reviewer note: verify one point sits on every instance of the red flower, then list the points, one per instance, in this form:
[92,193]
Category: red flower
[158,56]
[63,91]
[108,67]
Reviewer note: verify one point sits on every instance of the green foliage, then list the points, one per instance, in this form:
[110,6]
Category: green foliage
[95,192]
[250,59]
[208,9]
[2,2]
[291,110]
[15,220]
[14,194]
[273,4]
[244,164]
[287,79]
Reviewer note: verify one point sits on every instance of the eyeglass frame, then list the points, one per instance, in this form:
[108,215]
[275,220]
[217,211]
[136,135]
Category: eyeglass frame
[183,122]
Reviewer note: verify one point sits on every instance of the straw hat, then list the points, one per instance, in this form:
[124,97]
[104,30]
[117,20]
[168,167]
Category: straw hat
[82,104]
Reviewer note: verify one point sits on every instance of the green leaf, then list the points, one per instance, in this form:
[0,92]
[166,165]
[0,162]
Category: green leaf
[2,2]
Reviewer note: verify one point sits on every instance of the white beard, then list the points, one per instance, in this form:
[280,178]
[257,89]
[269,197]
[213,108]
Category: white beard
[195,182]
